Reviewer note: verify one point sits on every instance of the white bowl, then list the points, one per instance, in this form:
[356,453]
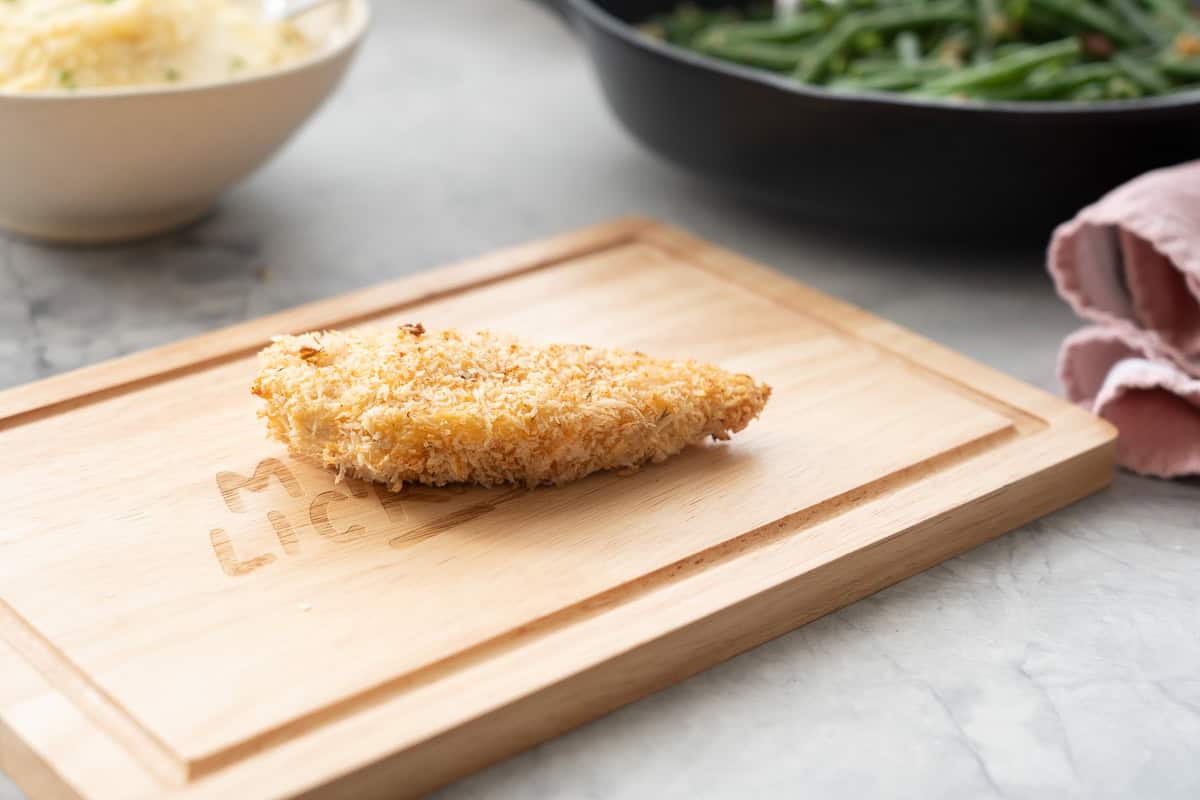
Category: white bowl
[111,165]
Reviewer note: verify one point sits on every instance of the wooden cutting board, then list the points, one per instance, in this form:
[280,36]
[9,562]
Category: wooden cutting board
[188,612]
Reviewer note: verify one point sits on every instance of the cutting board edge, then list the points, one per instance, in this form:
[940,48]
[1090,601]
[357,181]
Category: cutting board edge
[1030,408]
[77,387]
[28,768]
[565,704]
[62,392]
[1073,429]
[990,447]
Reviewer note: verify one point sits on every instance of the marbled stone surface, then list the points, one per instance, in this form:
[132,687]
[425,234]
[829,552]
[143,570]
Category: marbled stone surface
[1061,661]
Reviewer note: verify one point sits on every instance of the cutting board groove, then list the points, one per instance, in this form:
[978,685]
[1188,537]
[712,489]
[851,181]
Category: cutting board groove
[90,384]
[221,619]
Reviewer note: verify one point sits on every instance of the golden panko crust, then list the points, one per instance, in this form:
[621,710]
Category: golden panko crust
[403,405]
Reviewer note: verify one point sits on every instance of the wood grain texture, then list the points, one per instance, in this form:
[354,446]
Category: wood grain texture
[210,617]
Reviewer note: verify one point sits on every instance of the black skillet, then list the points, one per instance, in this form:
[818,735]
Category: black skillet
[877,160]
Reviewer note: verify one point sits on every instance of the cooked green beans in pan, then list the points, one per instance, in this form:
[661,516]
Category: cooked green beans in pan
[1010,50]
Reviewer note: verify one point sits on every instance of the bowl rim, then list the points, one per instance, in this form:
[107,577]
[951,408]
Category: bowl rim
[360,18]
[599,16]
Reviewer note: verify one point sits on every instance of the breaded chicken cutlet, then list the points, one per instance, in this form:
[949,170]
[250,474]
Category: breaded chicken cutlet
[408,406]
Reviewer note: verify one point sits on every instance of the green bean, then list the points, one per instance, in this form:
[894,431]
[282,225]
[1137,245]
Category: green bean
[1142,72]
[867,43]
[908,48]
[774,57]
[989,25]
[783,31]
[1050,71]
[1121,88]
[1059,85]
[686,22]
[1174,14]
[1090,17]
[873,65]
[1185,69]
[897,80]
[888,19]
[1089,92]
[680,26]
[924,69]
[1003,70]
[1008,48]
[1012,50]
[1137,19]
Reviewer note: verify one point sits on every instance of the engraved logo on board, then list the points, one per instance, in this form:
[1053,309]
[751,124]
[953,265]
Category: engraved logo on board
[231,485]
[272,471]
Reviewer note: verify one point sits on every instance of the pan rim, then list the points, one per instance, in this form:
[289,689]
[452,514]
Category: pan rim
[611,24]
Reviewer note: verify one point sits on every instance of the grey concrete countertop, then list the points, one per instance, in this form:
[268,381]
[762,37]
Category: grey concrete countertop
[1060,661]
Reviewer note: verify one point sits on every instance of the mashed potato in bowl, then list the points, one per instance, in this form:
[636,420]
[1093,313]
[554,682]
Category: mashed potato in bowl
[69,45]
[129,148]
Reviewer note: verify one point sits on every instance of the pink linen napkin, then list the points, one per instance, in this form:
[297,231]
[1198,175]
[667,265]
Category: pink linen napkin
[1130,263]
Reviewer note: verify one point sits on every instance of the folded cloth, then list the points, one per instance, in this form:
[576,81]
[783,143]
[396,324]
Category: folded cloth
[1119,372]
[1131,264]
